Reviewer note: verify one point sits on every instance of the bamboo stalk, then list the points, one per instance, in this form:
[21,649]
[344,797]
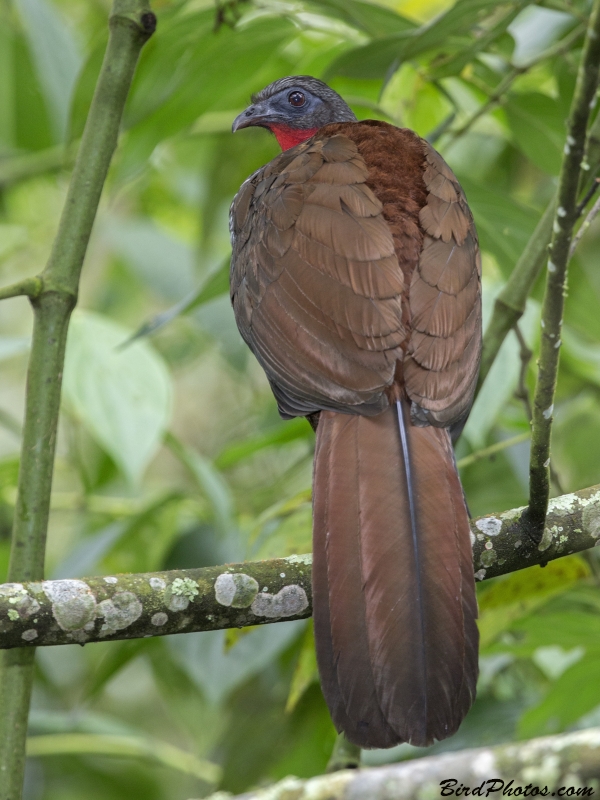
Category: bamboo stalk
[55,295]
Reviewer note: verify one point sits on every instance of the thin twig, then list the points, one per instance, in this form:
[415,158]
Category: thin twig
[588,196]
[552,309]
[522,391]
[510,303]
[29,287]
[492,450]
[497,95]
[591,216]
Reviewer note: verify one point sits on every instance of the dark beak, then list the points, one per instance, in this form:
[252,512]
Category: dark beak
[255,115]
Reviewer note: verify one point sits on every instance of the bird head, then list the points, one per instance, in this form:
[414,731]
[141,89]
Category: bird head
[294,109]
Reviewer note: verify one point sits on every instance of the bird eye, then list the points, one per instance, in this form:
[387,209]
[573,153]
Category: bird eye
[296,99]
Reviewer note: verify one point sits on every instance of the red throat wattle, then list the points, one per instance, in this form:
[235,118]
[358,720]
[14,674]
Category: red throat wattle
[289,137]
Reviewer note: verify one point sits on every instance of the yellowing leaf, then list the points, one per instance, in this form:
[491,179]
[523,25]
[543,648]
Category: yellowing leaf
[519,594]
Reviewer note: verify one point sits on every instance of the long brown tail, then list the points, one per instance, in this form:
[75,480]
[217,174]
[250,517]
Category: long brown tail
[393,587]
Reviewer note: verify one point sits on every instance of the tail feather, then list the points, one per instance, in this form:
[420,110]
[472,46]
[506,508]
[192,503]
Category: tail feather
[394,600]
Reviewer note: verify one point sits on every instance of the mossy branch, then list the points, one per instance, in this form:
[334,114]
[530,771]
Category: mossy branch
[565,217]
[53,296]
[574,759]
[253,593]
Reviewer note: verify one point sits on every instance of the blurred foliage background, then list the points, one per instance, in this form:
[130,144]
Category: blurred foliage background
[171,451]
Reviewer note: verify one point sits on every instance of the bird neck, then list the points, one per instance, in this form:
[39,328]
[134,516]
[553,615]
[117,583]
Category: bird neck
[289,137]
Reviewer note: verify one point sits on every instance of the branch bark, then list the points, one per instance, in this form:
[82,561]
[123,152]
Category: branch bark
[53,296]
[252,593]
[568,760]
[552,309]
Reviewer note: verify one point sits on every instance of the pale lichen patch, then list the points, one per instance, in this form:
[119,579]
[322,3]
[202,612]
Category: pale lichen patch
[235,591]
[120,612]
[29,635]
[158,584]
[73,604]
[488,557]
[13,615]
[303,558]
[185,587]
[490,526]
[547,413]
[288,602]
[159,619]
[480,574]
[110,579]
[177,603]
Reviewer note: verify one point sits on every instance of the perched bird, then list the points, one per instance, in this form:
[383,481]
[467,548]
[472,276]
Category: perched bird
[355,281]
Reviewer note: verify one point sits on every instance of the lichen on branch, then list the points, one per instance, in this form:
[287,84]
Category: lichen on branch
[252,593]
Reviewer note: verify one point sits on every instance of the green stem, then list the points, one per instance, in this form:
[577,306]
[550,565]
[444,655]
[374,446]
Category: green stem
[498,95]
[131,24]
[345,755]
[556,278]
[29,287]
[510,303]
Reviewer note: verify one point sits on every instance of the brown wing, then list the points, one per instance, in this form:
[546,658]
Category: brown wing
[315,282]
[442,362]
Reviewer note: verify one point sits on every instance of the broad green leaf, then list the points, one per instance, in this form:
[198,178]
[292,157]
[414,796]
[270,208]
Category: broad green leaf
[84,557]
[574,694]
[576,440]
[567,629]
[210,71]
[214,487]
[368,17]
[306,671]
[535,29]
[163,263]
[581,357]
[502,378]
[122,396]
[215,285]
[523,591]
[538,127]
[147,537]
[504,225]
[375,59]
[56,57]
[217,671]
[289,431]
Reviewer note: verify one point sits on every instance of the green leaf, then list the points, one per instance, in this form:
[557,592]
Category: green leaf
[375,59]
[538,128]
[214,487]
[306,671]
[502,378]
[122,396]
[215,285]
[522,592]
[56,58]
[503,224]
[218,671]
[124,747]
[574,694]
[372,19]
[289,431]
